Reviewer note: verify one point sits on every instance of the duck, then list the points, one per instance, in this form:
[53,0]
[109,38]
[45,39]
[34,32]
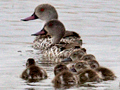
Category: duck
[106,73]
[33,73]
[47,12]
[52,49]
[88,75]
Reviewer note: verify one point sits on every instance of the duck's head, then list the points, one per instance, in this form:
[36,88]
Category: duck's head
[44,12]
[30,62]
[88,57]
[54,28]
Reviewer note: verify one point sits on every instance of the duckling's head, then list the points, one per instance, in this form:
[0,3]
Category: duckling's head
[77,54]
[44,12]
[59,68]
[88,57]
[30,62]
[93,64]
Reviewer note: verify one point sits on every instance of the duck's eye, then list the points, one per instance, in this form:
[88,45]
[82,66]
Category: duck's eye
[42,9]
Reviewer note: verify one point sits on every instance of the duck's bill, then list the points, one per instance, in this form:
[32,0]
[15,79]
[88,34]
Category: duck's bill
[42,32]
[32,17]
[73,70]
[67,60]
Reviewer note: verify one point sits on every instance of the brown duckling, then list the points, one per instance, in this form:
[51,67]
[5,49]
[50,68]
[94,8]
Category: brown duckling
[75,55]
[33,73]
[65,77]
[78,66]
[106,73]
[88,75]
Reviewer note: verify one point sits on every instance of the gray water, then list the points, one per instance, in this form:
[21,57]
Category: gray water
[97,21]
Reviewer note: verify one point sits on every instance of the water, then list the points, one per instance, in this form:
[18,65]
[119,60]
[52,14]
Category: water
[96,21]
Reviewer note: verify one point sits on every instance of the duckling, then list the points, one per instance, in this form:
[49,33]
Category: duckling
[59,68]
[74,55]
[33,73]
[47,12]
[78,66]
[88,75]
[65,77]
[106,73]
[88,57]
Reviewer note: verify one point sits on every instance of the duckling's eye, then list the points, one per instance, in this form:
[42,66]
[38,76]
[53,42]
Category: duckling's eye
[50,25]
[79,65]
[93,66]
[42,9]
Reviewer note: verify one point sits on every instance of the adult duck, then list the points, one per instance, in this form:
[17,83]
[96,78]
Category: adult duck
[47,12]
[52,47]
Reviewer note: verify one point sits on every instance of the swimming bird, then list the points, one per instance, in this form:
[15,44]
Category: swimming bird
[47,12]
[75,55]
[106,73]
[65,77]
[88,57]
[77,66]
[88,75]
[53,46]
[33,73]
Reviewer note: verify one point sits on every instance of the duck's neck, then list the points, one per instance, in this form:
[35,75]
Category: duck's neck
[56,40]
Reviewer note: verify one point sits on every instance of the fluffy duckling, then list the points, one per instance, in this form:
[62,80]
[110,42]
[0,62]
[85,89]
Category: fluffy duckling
[106,73]
[77,66]
[65,77]
[88,57]
[47,12]
[59,68]
[76,54]
[88,75]
[33,73]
